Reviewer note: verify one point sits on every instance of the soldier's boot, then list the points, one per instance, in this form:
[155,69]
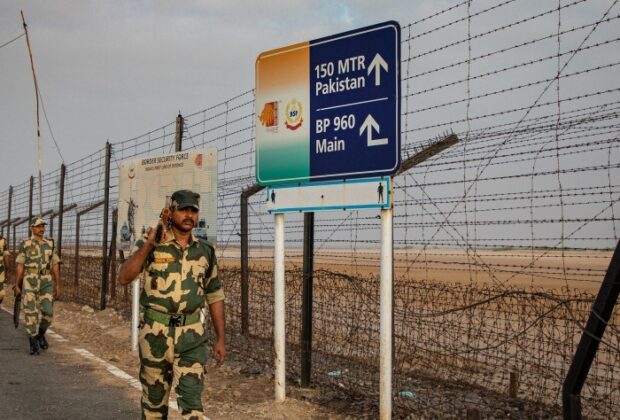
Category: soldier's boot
[34,345]
[42,341]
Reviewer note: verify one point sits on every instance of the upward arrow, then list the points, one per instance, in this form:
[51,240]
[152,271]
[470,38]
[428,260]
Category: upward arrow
[369,125]
[376,64]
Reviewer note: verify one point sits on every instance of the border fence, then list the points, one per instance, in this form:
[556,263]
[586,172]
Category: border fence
[500,242]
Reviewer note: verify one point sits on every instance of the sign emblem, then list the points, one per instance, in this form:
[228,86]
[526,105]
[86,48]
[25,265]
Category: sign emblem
[293,115]
[269,116]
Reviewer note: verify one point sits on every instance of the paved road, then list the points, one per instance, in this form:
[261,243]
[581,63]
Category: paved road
[59,383]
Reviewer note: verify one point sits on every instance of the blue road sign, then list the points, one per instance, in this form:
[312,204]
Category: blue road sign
[339,118]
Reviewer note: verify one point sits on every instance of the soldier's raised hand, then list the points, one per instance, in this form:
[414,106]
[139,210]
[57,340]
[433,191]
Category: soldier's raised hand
[152,233]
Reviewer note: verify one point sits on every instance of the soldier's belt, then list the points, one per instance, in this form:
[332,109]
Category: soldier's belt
[42,271]
[170,320]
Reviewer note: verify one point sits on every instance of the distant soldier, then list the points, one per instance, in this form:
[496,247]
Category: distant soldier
[181,274]
[36,263]
[4,265]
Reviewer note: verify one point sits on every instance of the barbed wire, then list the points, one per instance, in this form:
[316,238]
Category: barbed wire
[500,242]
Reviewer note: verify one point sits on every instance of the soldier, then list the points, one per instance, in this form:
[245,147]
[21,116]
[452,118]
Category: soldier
[4,265]
[36,263]
[180,274]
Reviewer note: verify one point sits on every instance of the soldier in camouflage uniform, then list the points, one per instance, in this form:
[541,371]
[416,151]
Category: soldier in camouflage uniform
[36,262]
[4,265]
[180,275]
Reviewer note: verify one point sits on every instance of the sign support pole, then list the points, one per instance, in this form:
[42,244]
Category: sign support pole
[385,294]
[278,307]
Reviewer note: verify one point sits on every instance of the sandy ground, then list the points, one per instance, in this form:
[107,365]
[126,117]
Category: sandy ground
[231,392]
[538,268]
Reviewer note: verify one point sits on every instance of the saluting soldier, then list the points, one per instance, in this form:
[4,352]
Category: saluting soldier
[37,262]
[180,276]
[4,265]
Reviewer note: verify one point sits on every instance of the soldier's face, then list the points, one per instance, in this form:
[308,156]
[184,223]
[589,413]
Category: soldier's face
[185,219]
[38,230]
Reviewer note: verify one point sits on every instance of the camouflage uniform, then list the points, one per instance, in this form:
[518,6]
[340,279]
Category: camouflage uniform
[176,282]
[38,259]
[4,251]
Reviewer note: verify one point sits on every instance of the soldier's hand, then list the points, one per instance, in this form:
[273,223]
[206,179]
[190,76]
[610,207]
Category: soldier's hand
[57,291]
[152,233]
[219,352]
[18,290]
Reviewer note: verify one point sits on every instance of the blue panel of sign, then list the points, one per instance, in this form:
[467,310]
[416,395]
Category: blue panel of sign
[355,103]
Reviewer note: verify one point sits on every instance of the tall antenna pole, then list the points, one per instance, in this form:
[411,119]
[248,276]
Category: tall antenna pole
[36,92]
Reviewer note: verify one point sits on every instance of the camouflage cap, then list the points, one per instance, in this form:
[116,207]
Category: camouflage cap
[185,198]
[37,221]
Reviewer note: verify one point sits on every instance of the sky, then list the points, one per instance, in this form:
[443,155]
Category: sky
[113,70]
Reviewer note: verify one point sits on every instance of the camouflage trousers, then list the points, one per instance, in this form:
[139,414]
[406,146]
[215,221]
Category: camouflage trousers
[2,280]
[38,298]
[172,357]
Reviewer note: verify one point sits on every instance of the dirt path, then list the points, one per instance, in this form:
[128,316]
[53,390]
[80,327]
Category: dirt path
[231,392]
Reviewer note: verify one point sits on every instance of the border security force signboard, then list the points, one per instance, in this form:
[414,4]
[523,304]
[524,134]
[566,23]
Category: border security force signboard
[329,108]
[146,184]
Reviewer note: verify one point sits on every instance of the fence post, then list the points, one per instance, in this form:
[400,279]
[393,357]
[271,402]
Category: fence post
[104,245]
[244,265]
[76,262]
[112,255]
[588,345]
[8,225]
[178,138]
[14,236]
[306,300]
[61,200]
[244,238]
[30,199]
[513,387]
[51,225]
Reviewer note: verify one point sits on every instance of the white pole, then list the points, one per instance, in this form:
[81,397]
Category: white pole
[135,313]
[278,308]
[385,358]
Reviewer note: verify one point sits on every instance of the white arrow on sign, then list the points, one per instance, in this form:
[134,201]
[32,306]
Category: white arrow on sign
[368,125]
[376,64]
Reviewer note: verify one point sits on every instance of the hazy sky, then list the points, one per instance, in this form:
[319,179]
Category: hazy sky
[118,69]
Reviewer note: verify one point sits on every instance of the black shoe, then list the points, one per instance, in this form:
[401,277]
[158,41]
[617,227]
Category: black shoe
[34,345]
[42,340]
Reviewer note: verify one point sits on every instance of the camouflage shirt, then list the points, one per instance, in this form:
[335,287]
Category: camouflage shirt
[37,255]
[4,251]
[179,280]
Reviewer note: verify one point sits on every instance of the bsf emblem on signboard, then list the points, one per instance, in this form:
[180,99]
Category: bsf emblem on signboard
[293,115]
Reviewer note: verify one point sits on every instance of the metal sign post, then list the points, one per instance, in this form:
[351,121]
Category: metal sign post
[385,316]
[278,307]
